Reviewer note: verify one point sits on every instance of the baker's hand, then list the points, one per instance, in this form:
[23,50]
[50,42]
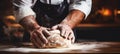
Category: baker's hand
[38,36]
[65,31]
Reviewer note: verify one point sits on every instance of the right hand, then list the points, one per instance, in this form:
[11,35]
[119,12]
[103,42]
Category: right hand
[65,31]
[38,33]
[39,36]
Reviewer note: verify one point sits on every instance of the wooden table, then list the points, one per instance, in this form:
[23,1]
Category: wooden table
[80,47]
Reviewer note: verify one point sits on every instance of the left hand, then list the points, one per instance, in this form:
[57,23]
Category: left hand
[65,31]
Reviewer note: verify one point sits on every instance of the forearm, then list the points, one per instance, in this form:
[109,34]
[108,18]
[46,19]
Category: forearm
[73,18]
[29,23]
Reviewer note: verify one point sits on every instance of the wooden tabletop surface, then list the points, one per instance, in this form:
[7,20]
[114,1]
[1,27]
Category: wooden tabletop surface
[79,47]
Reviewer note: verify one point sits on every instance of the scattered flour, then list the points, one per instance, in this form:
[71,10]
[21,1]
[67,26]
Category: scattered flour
[80,47]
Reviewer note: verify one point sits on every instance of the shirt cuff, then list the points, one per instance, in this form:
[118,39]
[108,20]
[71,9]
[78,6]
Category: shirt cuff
[23,12]
[82,7]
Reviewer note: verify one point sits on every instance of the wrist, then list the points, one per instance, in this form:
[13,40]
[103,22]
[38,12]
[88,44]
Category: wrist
[33,27]
[29,23]
[68,23]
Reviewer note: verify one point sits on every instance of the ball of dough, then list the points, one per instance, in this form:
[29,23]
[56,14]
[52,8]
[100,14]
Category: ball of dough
[57,41]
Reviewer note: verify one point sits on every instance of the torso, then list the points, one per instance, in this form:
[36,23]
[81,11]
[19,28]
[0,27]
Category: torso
[50,14]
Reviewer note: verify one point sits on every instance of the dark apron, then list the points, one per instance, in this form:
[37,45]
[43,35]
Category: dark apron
[48,15]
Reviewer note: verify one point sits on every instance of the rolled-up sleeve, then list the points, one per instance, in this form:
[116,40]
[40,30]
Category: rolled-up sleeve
[22,8]
[82,5]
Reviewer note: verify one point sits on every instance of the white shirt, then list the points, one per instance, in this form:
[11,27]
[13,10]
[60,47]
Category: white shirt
[26,5]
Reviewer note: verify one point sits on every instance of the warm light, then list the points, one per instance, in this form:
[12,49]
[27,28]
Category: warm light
[10,21]
[105,12]
[118,12]
[11,17]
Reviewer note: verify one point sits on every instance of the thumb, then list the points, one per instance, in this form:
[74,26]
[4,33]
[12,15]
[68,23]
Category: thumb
[55,27]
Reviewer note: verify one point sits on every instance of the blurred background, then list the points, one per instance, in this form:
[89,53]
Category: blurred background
[103,23]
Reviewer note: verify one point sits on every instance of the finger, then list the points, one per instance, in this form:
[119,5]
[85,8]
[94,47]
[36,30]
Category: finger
[39,42]
[35,44]
[54,27]
[55,31]
[71,37]
[62,32]
[48,29]
[42,37]
[33,40]
[32,35]
[67,33]
[46,33]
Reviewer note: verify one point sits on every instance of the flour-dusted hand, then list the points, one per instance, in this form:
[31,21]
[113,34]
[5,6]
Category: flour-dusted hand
[39,36]
[65,31]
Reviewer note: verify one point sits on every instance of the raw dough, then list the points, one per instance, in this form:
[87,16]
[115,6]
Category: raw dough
[57,41]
